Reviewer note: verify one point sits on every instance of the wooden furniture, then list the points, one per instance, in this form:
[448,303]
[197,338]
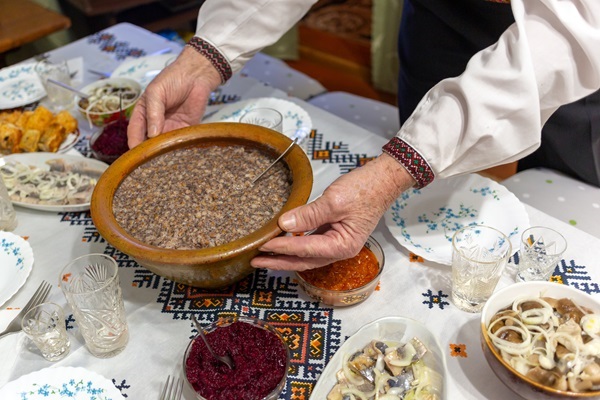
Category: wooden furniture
[24,21]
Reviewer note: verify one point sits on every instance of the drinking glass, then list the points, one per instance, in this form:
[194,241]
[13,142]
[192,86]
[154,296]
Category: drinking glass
[8,215]
[262,116]
[541,249]
[45,325]
[91,285]
[479,255]
[59,71]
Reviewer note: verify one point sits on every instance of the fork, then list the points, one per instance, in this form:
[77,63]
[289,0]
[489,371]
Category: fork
[173,389]
[38,297]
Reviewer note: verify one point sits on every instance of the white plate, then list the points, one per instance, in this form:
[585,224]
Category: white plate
[16,260]
[397,329]
[424,220]
[61,383]
[142,69]
[296,121]
[39,160]
[19,86]
[69,142]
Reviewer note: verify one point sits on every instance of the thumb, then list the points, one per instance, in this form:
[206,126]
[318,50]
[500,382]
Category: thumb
[306,218]
[155,114]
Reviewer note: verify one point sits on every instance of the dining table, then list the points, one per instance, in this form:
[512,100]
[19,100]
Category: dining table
[159,310]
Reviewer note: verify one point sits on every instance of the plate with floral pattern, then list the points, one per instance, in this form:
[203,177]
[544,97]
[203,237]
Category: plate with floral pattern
[61,383]
[16,261]
[19,86]
[424,220]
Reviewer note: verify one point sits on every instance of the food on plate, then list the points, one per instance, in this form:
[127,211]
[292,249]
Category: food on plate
[259,358]
[554,342]
[31,131]
[199,197]
[346,274]
[109,98]
[61,184]
[387,370]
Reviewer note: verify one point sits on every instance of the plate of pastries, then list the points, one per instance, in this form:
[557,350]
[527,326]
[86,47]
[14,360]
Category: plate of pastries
[39,130]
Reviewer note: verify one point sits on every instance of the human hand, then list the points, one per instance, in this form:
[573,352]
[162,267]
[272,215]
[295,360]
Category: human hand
[344,217]
[175,98]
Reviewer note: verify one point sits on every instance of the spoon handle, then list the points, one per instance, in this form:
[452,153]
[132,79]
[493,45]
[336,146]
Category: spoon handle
[275,162]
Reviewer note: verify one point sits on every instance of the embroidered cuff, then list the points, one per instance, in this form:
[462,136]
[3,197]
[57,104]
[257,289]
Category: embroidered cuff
[213,55]
[410,159]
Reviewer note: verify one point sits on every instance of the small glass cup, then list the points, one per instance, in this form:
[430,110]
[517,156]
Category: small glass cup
[45,325]
[91,285]
[541,249]
[479,255]
[59,97]
[262,116]
[8,215]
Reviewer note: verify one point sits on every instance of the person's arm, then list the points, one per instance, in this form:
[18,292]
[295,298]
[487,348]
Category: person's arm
[493,113]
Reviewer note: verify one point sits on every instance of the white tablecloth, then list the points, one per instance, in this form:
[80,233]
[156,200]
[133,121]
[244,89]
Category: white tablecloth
[158,310]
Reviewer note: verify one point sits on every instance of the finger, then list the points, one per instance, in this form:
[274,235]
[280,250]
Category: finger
[330,246]
[136,130]
[155,114]
[307,217]
[288,263]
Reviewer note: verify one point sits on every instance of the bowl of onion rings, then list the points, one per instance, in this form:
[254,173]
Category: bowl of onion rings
[109,100]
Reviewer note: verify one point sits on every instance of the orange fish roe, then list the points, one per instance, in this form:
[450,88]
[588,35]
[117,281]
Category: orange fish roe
[345,274]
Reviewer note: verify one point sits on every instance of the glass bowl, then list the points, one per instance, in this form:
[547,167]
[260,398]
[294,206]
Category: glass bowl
[108,144]
[244,356]
[342,298]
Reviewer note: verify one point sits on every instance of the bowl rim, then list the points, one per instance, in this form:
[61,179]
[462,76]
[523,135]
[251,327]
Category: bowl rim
[540,286]
[373,242]
[218,132]
[228,320]
[94,84]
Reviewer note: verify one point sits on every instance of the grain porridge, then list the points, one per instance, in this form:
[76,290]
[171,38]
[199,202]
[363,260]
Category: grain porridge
[201,197]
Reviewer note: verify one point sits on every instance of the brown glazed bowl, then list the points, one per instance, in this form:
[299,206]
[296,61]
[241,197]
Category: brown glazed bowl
[212,267]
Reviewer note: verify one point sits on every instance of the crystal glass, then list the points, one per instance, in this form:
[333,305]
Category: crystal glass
[541,249]
[479,255]
[91,285]
[59,97]
[8,216]
[45,325]
[263,116]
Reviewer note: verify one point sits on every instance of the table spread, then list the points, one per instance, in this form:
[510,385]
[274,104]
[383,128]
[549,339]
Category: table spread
[159,310]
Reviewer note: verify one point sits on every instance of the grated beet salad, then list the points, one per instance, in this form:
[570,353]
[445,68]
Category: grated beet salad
[259,357]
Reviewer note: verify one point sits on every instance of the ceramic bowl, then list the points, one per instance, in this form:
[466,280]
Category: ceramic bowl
[344,298]
[113,141]
[99,118]
[246,353]
[212,267]
[516,381]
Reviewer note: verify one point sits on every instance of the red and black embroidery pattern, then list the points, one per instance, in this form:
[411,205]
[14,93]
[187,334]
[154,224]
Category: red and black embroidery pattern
[213,55]
[410,159]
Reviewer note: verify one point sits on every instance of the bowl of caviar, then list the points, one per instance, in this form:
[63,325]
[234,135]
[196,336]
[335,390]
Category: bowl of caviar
[260,357]
[345,282]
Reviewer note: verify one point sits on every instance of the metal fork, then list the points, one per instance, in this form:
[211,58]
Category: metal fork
[38,297]
[173,389]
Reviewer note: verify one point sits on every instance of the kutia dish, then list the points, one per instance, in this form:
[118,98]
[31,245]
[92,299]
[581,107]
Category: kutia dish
[542,340]
[16,259]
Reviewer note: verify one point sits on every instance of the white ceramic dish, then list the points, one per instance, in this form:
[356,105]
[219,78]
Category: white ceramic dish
[398,329]
[296,121]
[19,86]
[142,69]
[424,220]
[39,160]
[16,261]
[503,298]
[61,383]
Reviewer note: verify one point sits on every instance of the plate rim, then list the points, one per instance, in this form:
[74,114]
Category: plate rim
[522,220]
[44,156]
[27,252]
[80,372]
[387,320]
[40,94]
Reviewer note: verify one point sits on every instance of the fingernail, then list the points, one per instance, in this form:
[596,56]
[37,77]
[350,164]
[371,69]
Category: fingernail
[153,131]
[288,222]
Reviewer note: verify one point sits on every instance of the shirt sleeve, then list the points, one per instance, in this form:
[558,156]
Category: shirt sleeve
[237,29]
[494,112]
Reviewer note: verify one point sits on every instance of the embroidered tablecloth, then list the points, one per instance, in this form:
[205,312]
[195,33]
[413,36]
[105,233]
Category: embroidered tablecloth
[159,310]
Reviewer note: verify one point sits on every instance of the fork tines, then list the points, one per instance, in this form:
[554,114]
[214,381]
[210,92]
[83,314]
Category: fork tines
[38,297]
[173,389]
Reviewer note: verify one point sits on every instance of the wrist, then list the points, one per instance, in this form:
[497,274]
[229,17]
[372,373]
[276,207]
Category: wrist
[212,55]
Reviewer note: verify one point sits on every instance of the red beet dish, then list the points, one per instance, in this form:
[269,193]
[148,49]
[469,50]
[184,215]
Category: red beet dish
[259,354]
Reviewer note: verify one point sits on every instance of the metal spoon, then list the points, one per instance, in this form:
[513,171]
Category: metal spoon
[226,359]
[71,88]
[275,162]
